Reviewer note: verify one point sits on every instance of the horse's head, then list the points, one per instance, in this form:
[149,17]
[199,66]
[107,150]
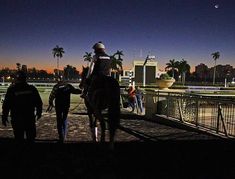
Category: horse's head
[83,76]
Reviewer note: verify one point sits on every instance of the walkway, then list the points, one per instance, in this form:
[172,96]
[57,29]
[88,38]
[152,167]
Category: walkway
[144,149]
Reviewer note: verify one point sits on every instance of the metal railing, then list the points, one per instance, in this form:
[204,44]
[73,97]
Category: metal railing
[2,97]
[214,113]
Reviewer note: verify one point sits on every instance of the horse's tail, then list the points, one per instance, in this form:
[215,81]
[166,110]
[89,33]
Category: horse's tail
[114,106]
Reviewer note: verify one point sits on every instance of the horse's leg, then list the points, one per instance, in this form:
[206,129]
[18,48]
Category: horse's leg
[92,121]
[113,122]
[114,112]
[93,128]
[112,131]
[102,126]
[100,117]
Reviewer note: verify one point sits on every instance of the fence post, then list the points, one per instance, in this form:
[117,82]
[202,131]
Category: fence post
[150,105]
[222,119]
[168,97]
[217,128]
[197,111]
[180,109]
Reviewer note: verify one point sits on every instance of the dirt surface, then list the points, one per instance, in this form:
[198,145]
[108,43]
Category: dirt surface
[143,149]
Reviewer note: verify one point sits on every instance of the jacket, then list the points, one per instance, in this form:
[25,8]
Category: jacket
[61,93]
[101,65]
[22,100]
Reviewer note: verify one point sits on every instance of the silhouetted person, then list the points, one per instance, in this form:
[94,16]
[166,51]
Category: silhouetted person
[99,69]
[22,101]
[61,93]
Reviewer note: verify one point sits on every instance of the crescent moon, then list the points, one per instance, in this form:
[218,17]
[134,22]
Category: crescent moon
[217,6]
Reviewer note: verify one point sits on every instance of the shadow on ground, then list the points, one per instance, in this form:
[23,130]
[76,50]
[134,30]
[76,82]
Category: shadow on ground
[162,159]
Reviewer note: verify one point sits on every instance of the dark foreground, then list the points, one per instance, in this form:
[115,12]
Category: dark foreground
[162,159]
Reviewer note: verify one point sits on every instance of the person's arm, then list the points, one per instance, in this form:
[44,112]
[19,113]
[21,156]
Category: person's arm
[75,90]
[132,92]
[51,98]
[38,104]
[52,95]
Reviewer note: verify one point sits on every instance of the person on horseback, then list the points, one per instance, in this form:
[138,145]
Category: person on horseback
[100,67]
[101,92]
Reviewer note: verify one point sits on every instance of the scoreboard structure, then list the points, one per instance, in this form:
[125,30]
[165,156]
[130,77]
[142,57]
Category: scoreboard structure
[151,72]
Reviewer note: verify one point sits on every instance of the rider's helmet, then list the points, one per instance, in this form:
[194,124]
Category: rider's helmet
[98,46]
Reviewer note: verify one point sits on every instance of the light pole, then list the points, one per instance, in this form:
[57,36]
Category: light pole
[3,80]
[144,68]
[225,80]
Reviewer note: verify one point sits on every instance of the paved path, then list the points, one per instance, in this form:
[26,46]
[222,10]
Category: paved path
[133,128]
[144,149]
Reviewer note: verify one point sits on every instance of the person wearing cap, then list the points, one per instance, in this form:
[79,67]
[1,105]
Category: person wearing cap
[100,67]
[60,95]
[25,105]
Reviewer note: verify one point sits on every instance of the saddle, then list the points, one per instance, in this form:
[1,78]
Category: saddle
[98,91]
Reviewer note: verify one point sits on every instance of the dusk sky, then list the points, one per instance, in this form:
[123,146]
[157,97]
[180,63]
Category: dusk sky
[168,29]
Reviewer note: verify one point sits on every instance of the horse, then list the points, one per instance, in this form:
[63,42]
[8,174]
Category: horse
[107,98]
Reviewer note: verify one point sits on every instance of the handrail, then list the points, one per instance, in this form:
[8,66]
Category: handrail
[214,113]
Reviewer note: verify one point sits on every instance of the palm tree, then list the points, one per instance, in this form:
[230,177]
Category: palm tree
[215,56]
[172,64]
[116,63]
[183,68]
[58,52]
[88,57]
[119,54]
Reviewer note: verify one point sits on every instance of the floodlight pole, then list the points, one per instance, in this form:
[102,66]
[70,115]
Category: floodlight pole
[3,80]
[144,75]
[144,68]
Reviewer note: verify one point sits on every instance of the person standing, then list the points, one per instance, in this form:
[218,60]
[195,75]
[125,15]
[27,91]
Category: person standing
[132,97]
[22,101]
[139,98]
[61,94]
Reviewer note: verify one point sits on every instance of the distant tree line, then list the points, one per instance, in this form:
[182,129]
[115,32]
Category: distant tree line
[180,70]
[69,73]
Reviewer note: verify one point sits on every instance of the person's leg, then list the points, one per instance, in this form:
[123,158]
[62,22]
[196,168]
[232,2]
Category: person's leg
[59,120]
[132,103]
[140,103]
[18,130]
[64,122]
[30,129]
[97,82]
[91,88]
